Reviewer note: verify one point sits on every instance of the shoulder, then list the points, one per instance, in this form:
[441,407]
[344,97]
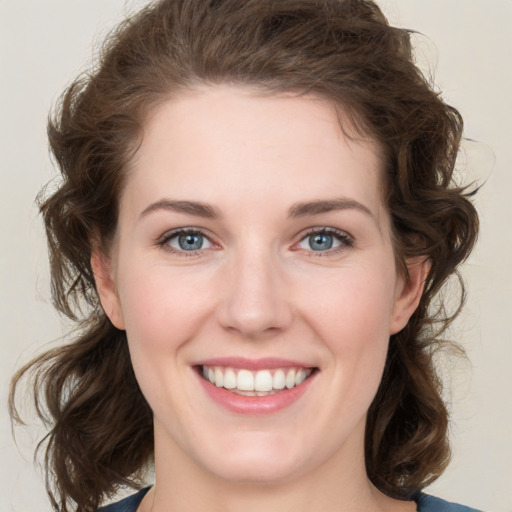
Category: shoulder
[128,504]
[427,503]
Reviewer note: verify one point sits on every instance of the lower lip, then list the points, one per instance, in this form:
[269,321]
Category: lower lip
[256,405]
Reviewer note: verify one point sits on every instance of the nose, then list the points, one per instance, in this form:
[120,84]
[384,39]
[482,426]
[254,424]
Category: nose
[255,301]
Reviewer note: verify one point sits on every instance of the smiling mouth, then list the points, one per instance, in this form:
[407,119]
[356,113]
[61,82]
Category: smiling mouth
[255,383]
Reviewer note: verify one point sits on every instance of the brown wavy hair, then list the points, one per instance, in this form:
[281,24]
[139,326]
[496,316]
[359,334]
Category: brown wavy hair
[100,426]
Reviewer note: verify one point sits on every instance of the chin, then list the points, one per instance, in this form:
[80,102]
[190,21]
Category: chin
[247,470]
[260,460]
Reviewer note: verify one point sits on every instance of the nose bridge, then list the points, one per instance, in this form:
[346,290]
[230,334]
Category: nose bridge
[255,299]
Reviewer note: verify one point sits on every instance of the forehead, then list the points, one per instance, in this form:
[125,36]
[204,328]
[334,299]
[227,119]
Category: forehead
[219,144]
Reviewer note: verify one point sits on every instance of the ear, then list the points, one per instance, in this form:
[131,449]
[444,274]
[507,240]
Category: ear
[408,293]
[105,285]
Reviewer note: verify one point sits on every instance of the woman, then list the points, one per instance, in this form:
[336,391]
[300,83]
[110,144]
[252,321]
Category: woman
[257,209]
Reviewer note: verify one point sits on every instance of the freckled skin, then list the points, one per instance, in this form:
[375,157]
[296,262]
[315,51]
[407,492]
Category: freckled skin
[256,288]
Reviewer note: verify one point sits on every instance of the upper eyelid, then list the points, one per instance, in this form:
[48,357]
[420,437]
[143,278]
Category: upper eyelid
[178,231]
[325,229]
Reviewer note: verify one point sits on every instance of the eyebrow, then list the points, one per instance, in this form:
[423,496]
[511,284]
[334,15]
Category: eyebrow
[325,206]
[188,207]
[301,209]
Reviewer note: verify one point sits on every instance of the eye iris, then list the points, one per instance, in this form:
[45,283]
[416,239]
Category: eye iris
[320,242]
[190,242]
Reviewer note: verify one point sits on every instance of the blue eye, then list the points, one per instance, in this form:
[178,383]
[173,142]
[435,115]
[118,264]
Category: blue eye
[320,242]
[325,240]
[188,241]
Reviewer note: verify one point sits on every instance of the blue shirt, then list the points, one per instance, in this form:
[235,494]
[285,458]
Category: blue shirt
[425,503]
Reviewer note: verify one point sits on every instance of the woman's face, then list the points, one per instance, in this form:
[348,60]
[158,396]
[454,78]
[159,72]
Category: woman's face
[254,250]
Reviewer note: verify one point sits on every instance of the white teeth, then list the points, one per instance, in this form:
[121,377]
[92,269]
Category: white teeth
[245,380]
[263,381]
[229,379]
[290,379]
[255,383]
[219,377]
[278,382]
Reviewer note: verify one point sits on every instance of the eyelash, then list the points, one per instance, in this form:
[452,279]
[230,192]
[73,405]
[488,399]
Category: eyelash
[345,240]
[163,242]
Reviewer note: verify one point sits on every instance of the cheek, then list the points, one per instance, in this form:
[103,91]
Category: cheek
[159,308]
[352,319]
[161,316]
[354,307]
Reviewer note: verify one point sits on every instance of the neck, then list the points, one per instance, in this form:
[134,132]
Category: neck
[338,484]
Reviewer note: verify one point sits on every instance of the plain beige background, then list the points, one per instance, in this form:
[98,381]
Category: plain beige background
[45,43]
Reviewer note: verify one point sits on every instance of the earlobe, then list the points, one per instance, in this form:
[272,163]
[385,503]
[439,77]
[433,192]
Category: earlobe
[408,293]
[106,287]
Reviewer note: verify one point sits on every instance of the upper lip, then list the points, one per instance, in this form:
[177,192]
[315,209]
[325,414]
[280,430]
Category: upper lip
[264,363]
